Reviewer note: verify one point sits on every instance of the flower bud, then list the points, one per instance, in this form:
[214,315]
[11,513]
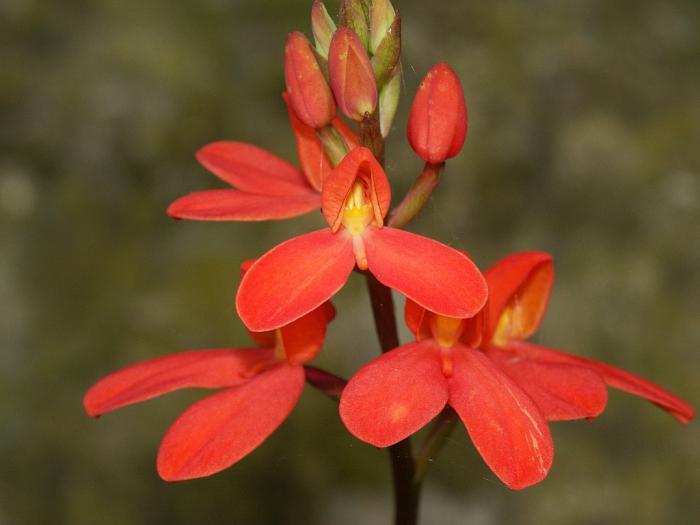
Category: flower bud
[351,75]
[388,53]
[309,93]
[381,18]
[354,15]
[322,26]
[437,124]
[389,101]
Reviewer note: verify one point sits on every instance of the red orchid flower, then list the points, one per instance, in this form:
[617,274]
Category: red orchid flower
[401,391]
[266,187]
[564,386]
[503,392]
[301,273]
[262,386]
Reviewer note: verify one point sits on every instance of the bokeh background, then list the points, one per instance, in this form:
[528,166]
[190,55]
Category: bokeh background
[584,141]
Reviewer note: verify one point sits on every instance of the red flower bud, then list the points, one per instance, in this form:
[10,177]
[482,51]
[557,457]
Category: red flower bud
[309,93]
[437,125]
[351,75]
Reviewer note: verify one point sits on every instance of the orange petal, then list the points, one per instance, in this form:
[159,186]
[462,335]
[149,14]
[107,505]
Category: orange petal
[415,317]
[219,430]
[294,278]
[252,169]
[560,391]
[302,339]
[395,395]
[614,377]
[314,162]
[196,368]
[437,277]
[358,163]
[234,205]
[504,424]
[519,288]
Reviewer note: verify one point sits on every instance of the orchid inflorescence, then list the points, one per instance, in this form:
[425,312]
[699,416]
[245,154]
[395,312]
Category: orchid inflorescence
[471,328]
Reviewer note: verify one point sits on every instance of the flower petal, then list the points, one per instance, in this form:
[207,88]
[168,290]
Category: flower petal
[414,317]
[314,162]
[294,278]
[503,422]
[395,395]
[358,163]
[614,377]
[234,205]
[519,288]
[302,339]
[219,430]
[560,391]
[437,277]
[252,169]
[196,368]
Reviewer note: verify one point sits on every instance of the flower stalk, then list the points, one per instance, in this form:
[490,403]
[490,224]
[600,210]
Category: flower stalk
[417,196]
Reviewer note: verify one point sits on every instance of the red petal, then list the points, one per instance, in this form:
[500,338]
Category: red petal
[414,316]
[294,278]
[519,288]
[234,205]
[221,429]
[252,169]
[196,368]
[351,75]
[395,395]
[560,391]
[314,162]
[437,124]
[437,277]
[503,422]
[358,163]
[614,377]
[302,339]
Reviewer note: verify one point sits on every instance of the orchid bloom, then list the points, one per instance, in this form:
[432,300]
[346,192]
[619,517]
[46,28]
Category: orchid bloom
[502,388]
[265,186]
[298,275]
[261,387]
[563,386]
[400,392]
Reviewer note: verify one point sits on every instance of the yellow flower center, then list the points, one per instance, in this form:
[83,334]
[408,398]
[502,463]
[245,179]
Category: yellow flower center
[357,214]
[446,330]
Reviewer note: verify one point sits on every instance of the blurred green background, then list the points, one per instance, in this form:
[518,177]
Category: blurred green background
[584,141]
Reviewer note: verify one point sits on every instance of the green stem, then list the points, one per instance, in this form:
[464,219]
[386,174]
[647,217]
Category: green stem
[417,196]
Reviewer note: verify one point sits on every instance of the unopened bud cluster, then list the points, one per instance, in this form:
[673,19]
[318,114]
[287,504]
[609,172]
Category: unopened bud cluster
[354,65]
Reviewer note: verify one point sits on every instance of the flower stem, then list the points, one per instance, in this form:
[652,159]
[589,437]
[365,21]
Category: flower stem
[403,466]
[436,439]
[418,195]
[330,384]
[383,311]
